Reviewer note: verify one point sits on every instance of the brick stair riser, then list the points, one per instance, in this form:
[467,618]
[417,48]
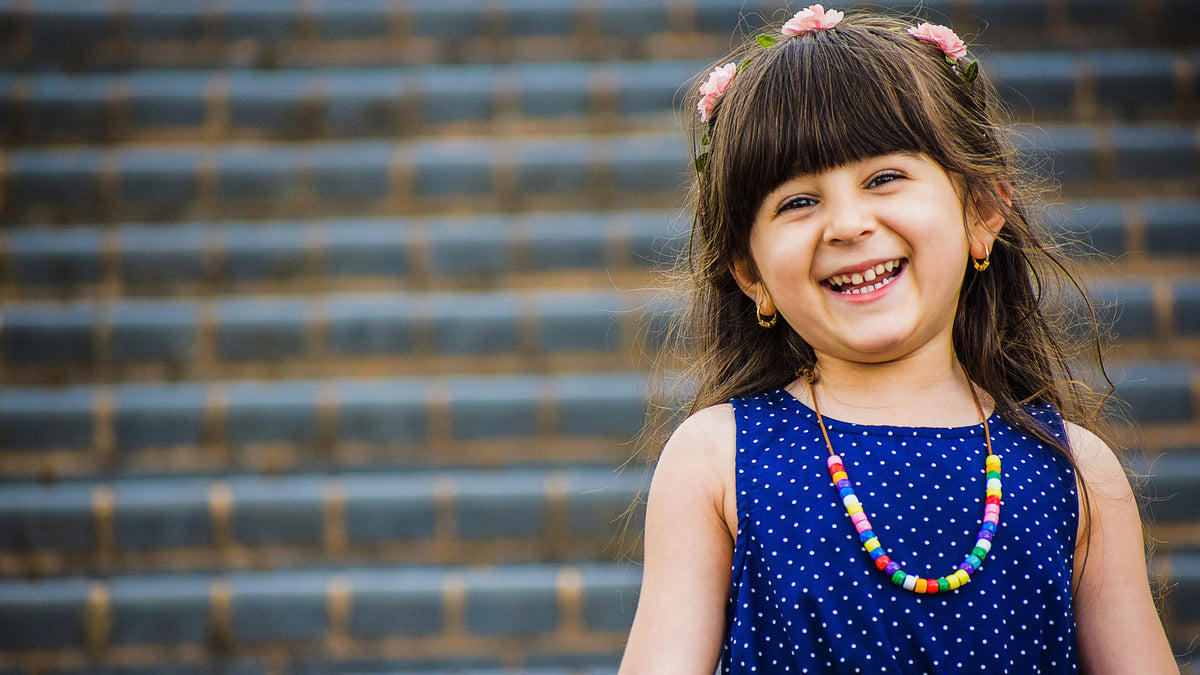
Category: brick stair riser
[389,178]
[157,106]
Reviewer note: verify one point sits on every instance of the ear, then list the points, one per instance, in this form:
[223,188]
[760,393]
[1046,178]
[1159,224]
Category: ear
[747,279]
[989,221]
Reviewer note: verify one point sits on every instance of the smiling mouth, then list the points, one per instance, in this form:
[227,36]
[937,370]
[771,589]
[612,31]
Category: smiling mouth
[865,281]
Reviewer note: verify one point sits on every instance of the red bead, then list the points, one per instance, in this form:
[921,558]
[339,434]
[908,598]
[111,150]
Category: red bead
[992,500]
[931,586]
[882,561]
[836,468]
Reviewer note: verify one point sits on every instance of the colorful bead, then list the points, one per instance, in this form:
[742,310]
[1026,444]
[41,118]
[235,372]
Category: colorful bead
[953,581]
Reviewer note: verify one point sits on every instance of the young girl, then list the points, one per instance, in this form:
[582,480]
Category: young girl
[887,466]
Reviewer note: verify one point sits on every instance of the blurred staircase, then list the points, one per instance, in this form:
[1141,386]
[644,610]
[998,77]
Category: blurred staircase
[323,323]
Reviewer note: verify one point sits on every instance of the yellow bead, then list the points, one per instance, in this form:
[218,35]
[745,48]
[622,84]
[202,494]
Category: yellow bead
[994,492]
[872,544]
[993,463]
[963,577]
[841,475]
[953,581]
[853,508]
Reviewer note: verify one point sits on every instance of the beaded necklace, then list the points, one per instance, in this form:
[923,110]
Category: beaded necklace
[911,582]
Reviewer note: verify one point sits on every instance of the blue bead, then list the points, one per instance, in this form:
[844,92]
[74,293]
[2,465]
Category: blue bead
[974,560]
[990,527]
[875,553]
[866,535]
[846,492]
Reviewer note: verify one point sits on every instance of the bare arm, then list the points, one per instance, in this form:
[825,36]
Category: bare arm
[1117,626]
[680,617]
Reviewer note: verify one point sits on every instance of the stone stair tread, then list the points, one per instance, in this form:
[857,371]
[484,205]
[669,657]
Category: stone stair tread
[319,102]
[59,34]
[284,605]
[172,522]
[348,177]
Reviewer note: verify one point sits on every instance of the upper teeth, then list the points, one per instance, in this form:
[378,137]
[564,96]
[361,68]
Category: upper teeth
[868,275]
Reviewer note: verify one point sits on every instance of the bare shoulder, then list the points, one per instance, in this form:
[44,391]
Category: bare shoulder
[699,459]
[1096,462]
[706,436]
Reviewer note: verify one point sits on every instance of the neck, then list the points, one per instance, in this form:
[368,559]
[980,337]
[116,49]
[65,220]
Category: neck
[924,388]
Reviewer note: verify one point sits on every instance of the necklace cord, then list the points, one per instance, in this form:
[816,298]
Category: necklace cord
[812,393]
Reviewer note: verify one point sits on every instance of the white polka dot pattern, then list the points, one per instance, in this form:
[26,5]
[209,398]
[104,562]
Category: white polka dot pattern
[804,595]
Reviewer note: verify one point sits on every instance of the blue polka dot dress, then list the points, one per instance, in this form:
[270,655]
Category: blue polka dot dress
[806,598]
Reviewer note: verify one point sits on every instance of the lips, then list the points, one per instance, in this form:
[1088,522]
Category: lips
[869,279]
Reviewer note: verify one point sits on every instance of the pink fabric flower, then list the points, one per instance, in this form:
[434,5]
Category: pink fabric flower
[714,88]
[812,18]
[943,37]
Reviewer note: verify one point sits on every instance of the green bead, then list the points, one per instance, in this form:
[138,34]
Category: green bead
[993,474]
[943,585]
[898,577]
[979,553]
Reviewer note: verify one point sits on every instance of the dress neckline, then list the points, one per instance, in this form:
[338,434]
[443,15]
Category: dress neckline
[790,400]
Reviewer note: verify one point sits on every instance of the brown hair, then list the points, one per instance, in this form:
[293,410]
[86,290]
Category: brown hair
[824,99]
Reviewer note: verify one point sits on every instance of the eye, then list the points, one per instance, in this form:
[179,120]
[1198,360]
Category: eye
[799,202]
[884,177]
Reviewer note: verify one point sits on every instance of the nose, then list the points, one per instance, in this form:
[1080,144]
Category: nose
[848,219]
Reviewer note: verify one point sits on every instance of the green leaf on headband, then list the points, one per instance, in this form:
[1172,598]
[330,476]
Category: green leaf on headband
[701,162]
[767,41]
[706,137]
[745,62]
[971,72]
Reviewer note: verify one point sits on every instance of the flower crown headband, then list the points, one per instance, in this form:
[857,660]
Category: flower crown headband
[810,20]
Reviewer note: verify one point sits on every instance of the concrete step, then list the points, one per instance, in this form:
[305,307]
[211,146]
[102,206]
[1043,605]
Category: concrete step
[483,421]
[246,521]
[153,106]
[294,424]
[418,333]
[60,34]
[589,249]
[326,619]
[573,616]
[403,333]
[1149,238]
[345,178]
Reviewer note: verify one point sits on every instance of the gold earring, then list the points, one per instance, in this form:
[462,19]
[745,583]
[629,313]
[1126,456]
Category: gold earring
[766,322]
[981,265]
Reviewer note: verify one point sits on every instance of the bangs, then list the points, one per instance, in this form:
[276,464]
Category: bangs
[816,103]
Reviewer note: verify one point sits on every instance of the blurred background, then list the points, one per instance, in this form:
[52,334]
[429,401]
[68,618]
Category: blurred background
[324,324]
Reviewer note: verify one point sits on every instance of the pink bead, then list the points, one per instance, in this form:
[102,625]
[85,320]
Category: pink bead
[993,518]
[991,508]
[862,526]
[859,517]
[833,459]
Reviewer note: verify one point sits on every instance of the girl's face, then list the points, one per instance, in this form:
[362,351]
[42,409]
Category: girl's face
[865,261]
